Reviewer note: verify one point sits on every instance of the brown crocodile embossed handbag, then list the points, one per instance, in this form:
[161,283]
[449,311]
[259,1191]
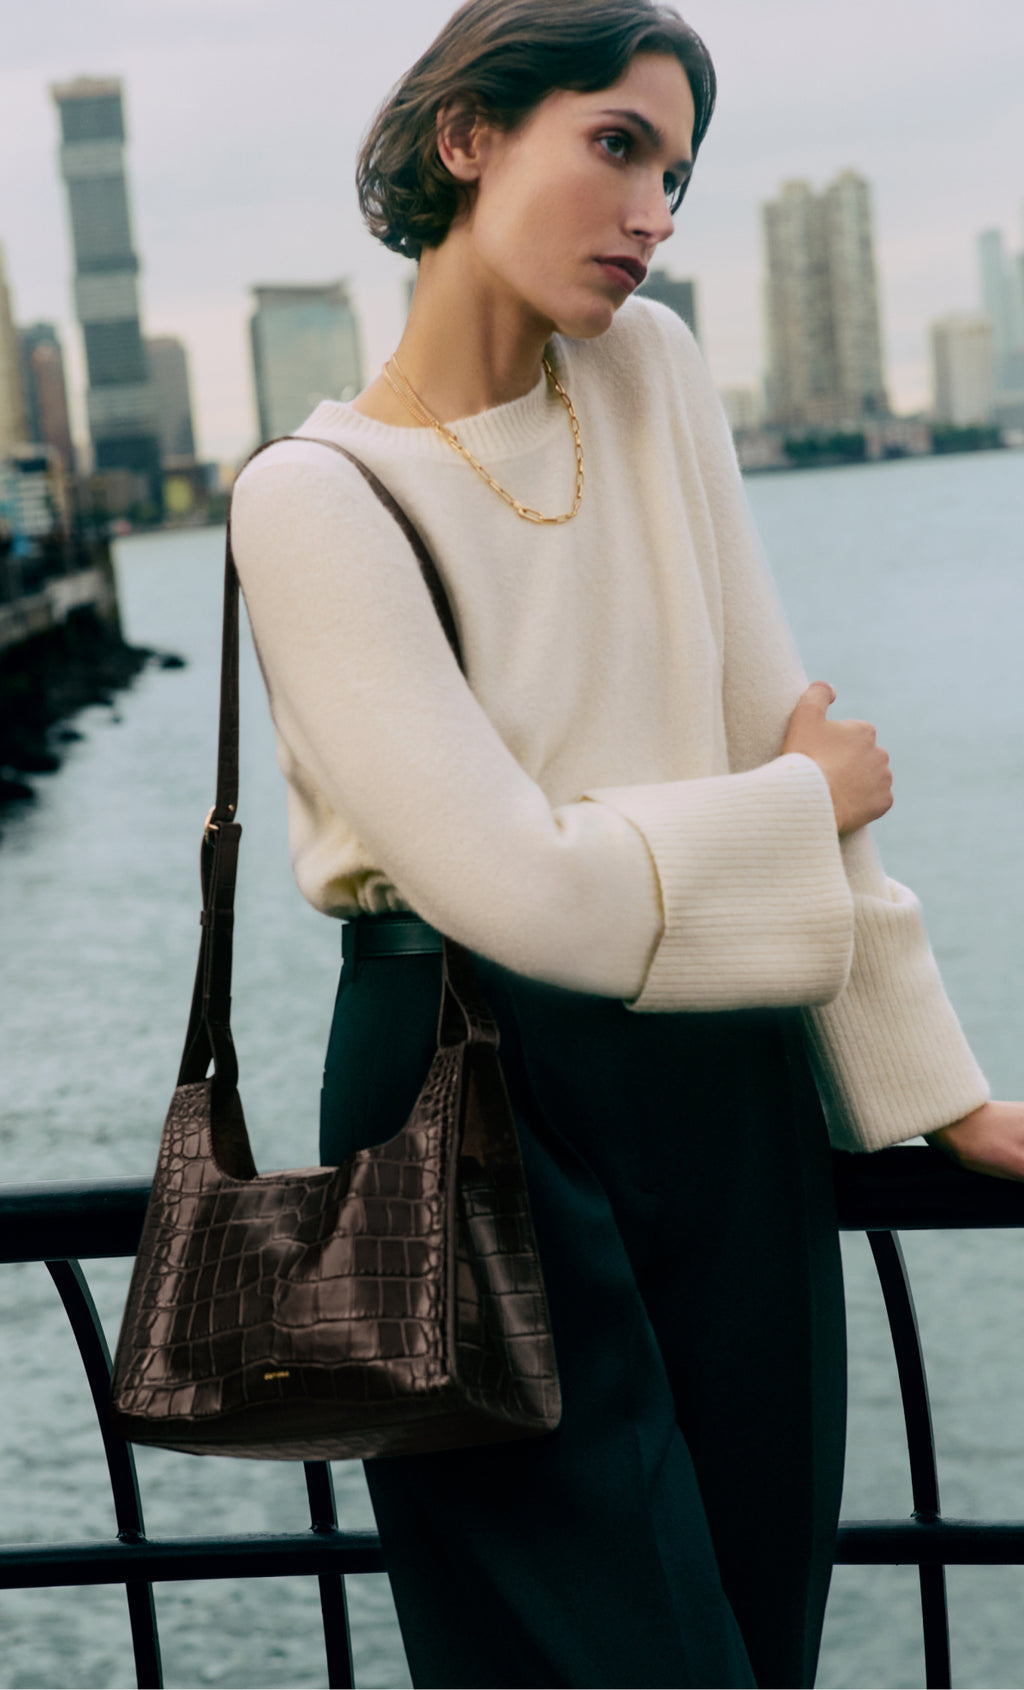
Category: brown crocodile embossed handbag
[393,1304]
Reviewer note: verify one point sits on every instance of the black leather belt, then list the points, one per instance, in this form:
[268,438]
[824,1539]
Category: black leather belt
[395,933]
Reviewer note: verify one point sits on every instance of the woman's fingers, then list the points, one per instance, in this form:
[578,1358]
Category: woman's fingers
[853,763]
[819,695]
[810,711]
[989,1140]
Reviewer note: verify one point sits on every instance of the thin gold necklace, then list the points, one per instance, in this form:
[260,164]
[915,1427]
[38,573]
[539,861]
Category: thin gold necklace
[400,385]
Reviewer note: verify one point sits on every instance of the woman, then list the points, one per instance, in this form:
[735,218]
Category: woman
[639,818]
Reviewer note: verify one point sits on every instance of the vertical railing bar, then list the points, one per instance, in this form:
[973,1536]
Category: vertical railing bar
[899,1306]
[323,1514]
[917,1417]
[337,1631]
[938,1669]
[85,1323]
[149,1673]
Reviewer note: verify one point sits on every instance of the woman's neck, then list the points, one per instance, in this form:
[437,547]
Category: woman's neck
[467,347]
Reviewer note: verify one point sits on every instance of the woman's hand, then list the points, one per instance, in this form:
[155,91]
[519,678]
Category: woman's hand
[855,766]
[989,1140]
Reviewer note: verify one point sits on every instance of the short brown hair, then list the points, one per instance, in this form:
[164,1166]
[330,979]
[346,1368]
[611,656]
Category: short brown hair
[499,59]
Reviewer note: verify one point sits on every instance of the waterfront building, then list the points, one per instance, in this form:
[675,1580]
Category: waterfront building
[825,361]
[1001,276]
[999,285]
[120,401]
[33,493]
[12,404]
[45,391]
[853,278]
[799,364]
[679,296]
[963,366]
[305,347]
[168,371]
[742,406]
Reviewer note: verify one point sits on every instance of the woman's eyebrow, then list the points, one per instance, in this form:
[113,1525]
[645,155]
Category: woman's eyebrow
[652,134]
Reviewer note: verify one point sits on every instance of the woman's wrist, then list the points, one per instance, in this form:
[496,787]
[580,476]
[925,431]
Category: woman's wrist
[955,1132]
[989,1140]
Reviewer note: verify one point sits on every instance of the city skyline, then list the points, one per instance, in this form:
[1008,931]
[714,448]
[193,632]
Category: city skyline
[242,144]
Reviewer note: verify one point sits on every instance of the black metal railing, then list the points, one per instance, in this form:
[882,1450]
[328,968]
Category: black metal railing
[913,1190]
[905,1189]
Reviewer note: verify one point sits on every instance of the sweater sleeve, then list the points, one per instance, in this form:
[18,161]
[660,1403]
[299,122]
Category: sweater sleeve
[890,1056]
[376,725]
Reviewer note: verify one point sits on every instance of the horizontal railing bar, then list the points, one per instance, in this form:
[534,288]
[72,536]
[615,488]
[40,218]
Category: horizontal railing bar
[31,1566]
[909,1188]
[913,1188]
[267,1555]
[71,1219]
[931,1543]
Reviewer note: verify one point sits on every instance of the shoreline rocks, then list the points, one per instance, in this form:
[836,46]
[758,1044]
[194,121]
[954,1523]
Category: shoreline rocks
[47,680]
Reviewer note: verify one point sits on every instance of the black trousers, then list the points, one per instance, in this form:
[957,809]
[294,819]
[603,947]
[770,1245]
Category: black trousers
[678,1528]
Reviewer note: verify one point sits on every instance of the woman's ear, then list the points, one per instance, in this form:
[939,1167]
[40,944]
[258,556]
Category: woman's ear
[461,141]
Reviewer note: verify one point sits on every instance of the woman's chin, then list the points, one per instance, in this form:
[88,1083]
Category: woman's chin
[589,320]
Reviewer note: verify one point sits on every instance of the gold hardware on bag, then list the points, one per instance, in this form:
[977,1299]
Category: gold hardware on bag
[210,826]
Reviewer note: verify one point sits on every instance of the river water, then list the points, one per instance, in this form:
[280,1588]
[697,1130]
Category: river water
[905,585]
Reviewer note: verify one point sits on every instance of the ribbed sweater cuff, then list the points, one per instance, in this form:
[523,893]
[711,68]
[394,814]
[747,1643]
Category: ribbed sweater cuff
[757,909]
[890,1054]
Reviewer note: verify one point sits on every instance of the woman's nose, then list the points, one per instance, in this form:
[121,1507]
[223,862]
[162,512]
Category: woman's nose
[651,218]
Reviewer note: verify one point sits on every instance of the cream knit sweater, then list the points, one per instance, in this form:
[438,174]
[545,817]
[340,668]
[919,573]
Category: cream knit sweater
[604,805]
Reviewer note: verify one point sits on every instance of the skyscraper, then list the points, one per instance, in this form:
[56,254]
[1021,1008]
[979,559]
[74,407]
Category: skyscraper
[1002,300]
[823,321]
[963,367]
[120,403]
[45,390]
[12,407]
[679,296]
[168,370]
[853,278]
[801,374]
[741,406]
[997,280]
[305,347]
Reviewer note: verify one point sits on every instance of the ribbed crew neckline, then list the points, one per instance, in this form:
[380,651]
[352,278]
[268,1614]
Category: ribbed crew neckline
[502,432]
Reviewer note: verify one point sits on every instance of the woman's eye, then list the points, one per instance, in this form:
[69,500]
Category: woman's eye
[619,145]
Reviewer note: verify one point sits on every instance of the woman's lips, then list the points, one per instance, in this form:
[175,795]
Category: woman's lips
[626,273]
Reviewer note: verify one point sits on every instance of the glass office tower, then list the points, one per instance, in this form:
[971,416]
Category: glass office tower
[120,401]
[305,347]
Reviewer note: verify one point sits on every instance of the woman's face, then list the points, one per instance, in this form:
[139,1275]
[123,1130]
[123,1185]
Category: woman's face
[589,178]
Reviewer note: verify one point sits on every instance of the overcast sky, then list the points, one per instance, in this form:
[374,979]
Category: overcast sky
[244,118]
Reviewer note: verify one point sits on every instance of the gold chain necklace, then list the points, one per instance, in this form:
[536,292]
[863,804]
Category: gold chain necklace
[400,385]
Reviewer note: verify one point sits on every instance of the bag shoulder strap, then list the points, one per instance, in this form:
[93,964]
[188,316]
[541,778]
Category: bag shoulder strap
[208,1038]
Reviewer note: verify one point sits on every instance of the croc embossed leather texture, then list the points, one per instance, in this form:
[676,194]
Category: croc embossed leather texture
[390,1305]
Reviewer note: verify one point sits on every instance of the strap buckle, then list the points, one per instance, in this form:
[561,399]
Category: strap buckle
[210,826]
